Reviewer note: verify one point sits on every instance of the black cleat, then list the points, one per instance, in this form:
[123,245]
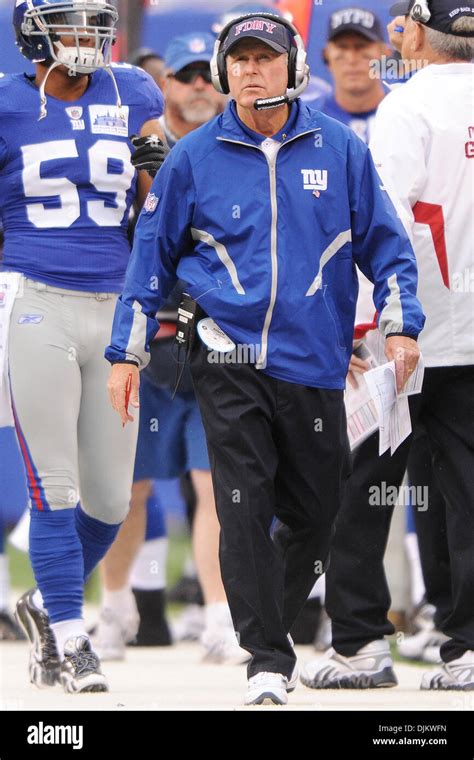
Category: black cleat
[44,663]
[80,669]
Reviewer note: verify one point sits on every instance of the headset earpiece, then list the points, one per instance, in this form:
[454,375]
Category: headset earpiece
[421,12]
[222,71]
[292,55]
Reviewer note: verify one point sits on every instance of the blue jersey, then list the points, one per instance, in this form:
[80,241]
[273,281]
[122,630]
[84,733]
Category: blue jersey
[67,183]
[360,123]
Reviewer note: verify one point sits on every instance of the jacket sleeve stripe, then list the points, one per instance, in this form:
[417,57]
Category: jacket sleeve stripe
[137,338]
[391,318]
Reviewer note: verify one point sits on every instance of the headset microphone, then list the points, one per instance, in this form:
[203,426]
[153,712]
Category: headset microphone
[263,104]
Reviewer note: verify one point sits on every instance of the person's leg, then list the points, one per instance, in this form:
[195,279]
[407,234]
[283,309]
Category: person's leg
[187,589]
[46,392]
[449,420]
[431,530]
[205,526]
[148,577]
[119,619]
[314,463]
[117,563]
[106,450]
[218,636]
[206,538]
[238,405]
[357,595]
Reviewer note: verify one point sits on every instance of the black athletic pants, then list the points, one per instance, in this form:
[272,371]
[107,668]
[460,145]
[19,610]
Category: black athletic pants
[276,449]
[357,596]
[431,531]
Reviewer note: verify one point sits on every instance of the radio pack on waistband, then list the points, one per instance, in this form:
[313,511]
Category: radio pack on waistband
[189,313]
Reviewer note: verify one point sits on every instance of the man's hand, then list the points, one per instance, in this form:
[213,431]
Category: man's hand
[150,153]
[396,37]
[117,387]
[356,365]
[405,352]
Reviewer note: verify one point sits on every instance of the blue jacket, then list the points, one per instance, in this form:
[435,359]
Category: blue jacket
[268,247]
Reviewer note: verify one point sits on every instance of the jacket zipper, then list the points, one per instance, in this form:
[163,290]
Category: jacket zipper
[262,359]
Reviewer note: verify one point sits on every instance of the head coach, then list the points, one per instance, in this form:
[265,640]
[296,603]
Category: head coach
[264,212]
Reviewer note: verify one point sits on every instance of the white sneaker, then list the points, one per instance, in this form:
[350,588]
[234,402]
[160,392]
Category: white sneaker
[113,633]
[457,675]
[414,647]
[370,668]
[293,681]
[431,655]
[221,646]
[267,689]
[189,625]
[80,669]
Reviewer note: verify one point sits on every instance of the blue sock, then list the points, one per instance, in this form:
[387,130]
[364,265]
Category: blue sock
[56,559]
[96,538]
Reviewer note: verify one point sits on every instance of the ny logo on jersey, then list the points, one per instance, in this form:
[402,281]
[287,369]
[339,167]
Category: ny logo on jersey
[75,115]
[315,179]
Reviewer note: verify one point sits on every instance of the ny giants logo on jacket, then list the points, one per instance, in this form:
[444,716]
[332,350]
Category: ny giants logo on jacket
[315,179]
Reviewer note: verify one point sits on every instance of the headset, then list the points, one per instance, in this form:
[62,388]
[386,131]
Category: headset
[298,69]
[421,12]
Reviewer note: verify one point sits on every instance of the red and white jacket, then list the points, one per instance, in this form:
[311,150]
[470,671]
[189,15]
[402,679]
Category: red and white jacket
[423,147]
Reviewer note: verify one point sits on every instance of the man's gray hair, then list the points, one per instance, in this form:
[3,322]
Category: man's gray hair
[451,46]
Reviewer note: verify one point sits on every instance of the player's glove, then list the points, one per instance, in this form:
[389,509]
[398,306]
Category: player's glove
[150,153]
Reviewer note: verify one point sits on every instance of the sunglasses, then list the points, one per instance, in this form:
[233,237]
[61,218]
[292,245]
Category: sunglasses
[188,76]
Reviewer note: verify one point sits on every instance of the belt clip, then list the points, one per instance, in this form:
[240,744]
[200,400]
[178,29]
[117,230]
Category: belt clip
[101,296]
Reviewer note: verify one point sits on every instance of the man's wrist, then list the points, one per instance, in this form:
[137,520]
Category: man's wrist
[401,335]
[124,361]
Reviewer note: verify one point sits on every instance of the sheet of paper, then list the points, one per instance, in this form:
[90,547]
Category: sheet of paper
[400,423]
[382,389]
[392,408]
[361,412]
